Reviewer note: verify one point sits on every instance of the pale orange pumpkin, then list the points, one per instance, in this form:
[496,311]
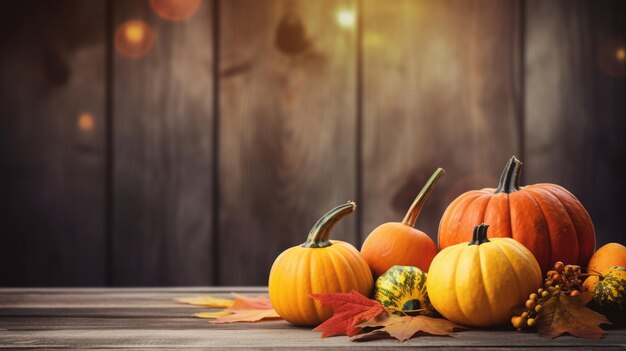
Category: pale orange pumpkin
[609,255]
[318,266]
[401,244]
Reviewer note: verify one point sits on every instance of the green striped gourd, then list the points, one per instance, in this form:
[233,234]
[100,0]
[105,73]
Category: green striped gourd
[403,288]
[609,295]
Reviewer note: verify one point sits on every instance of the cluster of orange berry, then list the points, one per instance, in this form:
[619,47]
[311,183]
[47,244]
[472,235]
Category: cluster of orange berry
[563,279]
[569,278]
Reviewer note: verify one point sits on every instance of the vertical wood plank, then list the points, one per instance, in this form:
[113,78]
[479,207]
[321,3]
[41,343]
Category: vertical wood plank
[575,105]
[287,117]
[441,88]
[163,117]
[52,71]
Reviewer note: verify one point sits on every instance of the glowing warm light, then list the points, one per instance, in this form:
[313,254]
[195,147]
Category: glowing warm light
[346,18]
[86,122]
[175,10]
[620,54]
[134,33]
[133,38]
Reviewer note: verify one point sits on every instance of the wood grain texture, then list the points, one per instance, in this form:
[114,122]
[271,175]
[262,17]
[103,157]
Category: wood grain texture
[287,135]
[169,325]
[52,70]
[441,89]
[163,109]
[575,106]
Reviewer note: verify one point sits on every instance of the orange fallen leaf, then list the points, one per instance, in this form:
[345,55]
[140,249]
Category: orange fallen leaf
[211,314]
[241,309]
[247,316]
[243,302]
[406,327]
[566,314]
[248,309]
[206,301]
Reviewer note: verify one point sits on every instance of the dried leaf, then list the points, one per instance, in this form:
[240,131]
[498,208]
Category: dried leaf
[212,314]
[243,302]
[349,310]
[565,314]
[241,309]
[406,327]
[206,301]
[247,316]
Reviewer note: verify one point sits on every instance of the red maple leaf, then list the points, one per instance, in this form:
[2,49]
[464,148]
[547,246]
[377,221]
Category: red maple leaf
[349,309]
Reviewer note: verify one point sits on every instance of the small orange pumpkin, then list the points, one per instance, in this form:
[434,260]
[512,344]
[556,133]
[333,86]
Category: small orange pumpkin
[546,218]
[609,255]
[318,266]
[401,244]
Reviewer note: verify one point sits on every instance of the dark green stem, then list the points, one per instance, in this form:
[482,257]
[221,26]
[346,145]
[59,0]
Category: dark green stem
[480,235]
[509,180]
[320,233]
[415,209]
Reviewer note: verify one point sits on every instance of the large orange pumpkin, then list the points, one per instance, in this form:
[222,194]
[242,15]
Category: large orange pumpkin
[546,218]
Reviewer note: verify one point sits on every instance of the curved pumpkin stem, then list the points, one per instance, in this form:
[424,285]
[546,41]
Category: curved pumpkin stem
[415,209]
[320,233]
[509,180]
[480,235]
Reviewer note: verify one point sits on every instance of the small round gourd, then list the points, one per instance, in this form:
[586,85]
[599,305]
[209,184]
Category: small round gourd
[403,288]
[609,294]
[609,255]
[395,243]
[318,266]
[478,284]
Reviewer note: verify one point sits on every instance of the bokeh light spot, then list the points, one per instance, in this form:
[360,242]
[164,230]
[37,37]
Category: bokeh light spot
[85,122]
[175,10]
[133,38]
[346,18]
[134,33]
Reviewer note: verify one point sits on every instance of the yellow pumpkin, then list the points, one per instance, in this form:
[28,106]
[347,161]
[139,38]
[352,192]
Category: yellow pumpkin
[318,266]
[478,284]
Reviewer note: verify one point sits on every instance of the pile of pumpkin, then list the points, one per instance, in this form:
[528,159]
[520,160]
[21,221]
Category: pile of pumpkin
[477,277]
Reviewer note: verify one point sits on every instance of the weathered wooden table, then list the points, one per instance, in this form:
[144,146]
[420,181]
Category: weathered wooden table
[149,318]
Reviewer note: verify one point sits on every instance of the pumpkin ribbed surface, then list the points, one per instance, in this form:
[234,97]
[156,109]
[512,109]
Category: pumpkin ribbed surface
[301,271]
[318,266]
[477,285]
[546,218]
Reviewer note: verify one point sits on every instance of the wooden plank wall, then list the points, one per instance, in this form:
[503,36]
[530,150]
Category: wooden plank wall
[441,89]
[576,105]
[287,131]
[52,213]
[163,152]
[199,162]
